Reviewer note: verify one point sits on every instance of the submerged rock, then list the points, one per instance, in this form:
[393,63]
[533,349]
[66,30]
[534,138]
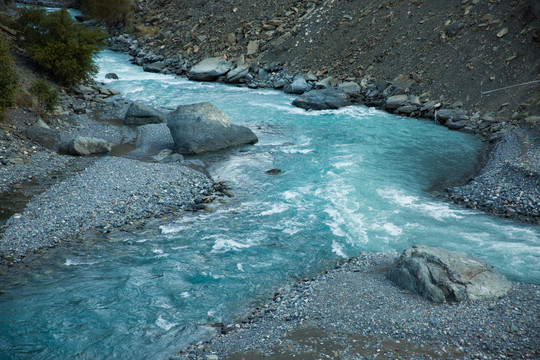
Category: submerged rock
[441,275]
[201,128]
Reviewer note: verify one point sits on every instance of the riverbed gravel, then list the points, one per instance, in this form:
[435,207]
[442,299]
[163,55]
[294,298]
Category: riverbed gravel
[108,194]
[509,183]
[354,312]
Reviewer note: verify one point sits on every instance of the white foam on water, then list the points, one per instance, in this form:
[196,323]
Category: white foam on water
[172,228]
[290,195]
[392,229]
[297,151]
[76,262]
[240,267]
[164,324]
[338,249]
[438,211]
[344,164]
[286,109]
[277,208]
[224,244]
[185,294]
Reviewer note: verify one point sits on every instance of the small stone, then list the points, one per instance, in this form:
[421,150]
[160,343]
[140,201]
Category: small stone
[502,32]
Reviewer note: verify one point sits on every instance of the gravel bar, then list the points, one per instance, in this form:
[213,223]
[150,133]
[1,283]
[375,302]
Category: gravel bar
[108,194]
[509,183]
[354,312]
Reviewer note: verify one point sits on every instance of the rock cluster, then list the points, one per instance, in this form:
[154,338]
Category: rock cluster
[397,96]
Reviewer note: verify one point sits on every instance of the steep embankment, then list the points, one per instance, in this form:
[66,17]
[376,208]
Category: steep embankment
[445,50]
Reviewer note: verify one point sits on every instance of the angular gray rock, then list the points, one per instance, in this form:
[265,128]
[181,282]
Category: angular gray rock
[155,67]
[322,100]
[350,88]
[298,86]
[44,137]
[444,114]
[209,69]
[201,128]
[396,101]
[141,114]
[88,145]
[441,275]
[237,74]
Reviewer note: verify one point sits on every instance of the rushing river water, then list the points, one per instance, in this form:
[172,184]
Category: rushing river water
[354,179]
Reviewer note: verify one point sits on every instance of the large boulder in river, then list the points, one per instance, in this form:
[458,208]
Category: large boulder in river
[322,100]
[441,275]
[87,146]
[141,114]
[200,128]
[209,69]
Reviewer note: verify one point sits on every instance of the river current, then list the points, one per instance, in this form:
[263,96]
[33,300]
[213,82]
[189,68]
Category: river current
[352,180]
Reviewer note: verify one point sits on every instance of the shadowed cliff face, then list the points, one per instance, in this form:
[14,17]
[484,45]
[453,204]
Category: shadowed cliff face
[446,50]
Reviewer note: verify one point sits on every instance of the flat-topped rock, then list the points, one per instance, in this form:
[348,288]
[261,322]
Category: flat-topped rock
[441,275]
[322,99]
[209,69]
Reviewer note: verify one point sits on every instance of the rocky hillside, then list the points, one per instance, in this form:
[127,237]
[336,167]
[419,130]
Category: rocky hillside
[447,51]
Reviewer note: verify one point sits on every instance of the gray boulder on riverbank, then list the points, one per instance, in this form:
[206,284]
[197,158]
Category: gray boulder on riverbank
[209,69]
[87,146]
[44,136]
[322,100]
[441,275]
[201,128]
[141,114]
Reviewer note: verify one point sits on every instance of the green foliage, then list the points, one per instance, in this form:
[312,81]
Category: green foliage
[60,45]
[106,11]
[46,96]
[8,77]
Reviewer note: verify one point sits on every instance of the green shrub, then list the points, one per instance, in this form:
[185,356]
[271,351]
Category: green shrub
[106,11]
[60,45]
[46,96]
[8,77]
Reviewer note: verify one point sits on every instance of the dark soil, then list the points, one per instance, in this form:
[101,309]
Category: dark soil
[453,50]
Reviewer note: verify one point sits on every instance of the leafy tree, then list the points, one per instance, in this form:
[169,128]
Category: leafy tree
[46,96]
[8,77]
[60,45]
[106,11]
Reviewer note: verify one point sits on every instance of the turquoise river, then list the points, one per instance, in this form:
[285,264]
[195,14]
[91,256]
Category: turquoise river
[355,179]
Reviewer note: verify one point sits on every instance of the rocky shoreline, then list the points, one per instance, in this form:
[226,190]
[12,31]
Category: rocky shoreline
[354,312]
[509,184]
[75,194]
